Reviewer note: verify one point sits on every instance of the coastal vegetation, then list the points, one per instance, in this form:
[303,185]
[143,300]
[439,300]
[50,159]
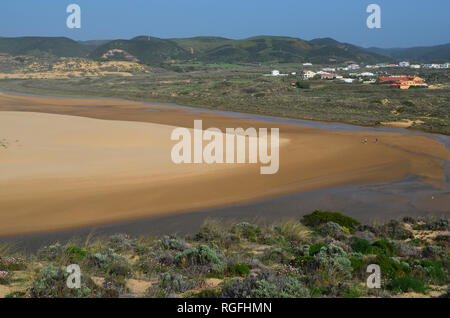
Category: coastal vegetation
[322,254]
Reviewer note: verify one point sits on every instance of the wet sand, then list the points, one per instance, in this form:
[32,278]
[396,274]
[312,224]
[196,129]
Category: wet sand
[107,161]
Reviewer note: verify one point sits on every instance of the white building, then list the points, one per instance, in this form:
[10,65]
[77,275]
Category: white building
[275,73]
[353,67]
[308,74]
[329,69]
[417,66]
[403,64]
[367,74]
[307,64]
[347,80]
[445,65]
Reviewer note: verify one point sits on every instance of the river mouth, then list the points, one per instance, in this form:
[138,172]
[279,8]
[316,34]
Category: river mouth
[368,202]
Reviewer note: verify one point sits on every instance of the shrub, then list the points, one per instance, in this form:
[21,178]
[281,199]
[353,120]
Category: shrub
[202,258]
[431,251]
[265,285]
[333,229]
[238,269]
[354,293]
[365,235]
[75,254]
[384,247]
[5,277]
[120,243]
[171,243]
[406,284]
[302,85]
[391,267]
[207,293]
[113,287]
[50,282]
[247,230]
[333,262]
[276,255]
[318,218]
[109,263]
[361,246]
[431,271]
[292,231]
[12,264]
[395,230]
[51,252]
[314,249]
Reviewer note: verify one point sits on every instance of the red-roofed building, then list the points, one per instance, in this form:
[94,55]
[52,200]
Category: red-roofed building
[402,81]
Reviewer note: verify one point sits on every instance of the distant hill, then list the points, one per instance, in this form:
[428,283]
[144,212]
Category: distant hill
[340,51]
[437,54]
[57,46]
[277,49]
[252,50]
[145,49]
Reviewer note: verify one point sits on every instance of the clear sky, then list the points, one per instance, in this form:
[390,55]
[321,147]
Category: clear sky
[404,22]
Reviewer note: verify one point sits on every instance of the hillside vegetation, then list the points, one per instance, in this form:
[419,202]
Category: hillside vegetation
[152,50]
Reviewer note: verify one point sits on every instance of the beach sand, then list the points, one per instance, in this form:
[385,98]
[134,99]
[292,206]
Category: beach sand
[69,163]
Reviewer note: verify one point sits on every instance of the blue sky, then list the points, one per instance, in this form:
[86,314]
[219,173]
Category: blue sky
[404,22]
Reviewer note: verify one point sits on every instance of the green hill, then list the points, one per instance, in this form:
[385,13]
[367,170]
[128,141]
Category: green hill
[145,49]
[208,49]
[37,46]
[257,49]
[437,54]
[337,50]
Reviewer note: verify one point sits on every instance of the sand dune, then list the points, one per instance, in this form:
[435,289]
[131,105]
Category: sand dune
[110,161]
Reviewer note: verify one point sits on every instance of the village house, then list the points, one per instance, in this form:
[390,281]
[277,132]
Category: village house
[328,76]
[403,82]
[353,67]
[367,74]
[308,74]
[307,64]
[403,64]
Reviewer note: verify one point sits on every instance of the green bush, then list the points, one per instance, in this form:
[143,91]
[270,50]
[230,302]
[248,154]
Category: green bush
[361,246]
[314,249]
[302,84]
[432,271]
[381,247]
[390,267]
[318,218]
[406,284]
[76,254]
[238,269]
[384,247]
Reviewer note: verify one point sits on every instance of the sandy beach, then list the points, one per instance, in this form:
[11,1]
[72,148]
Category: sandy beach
[69,163]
